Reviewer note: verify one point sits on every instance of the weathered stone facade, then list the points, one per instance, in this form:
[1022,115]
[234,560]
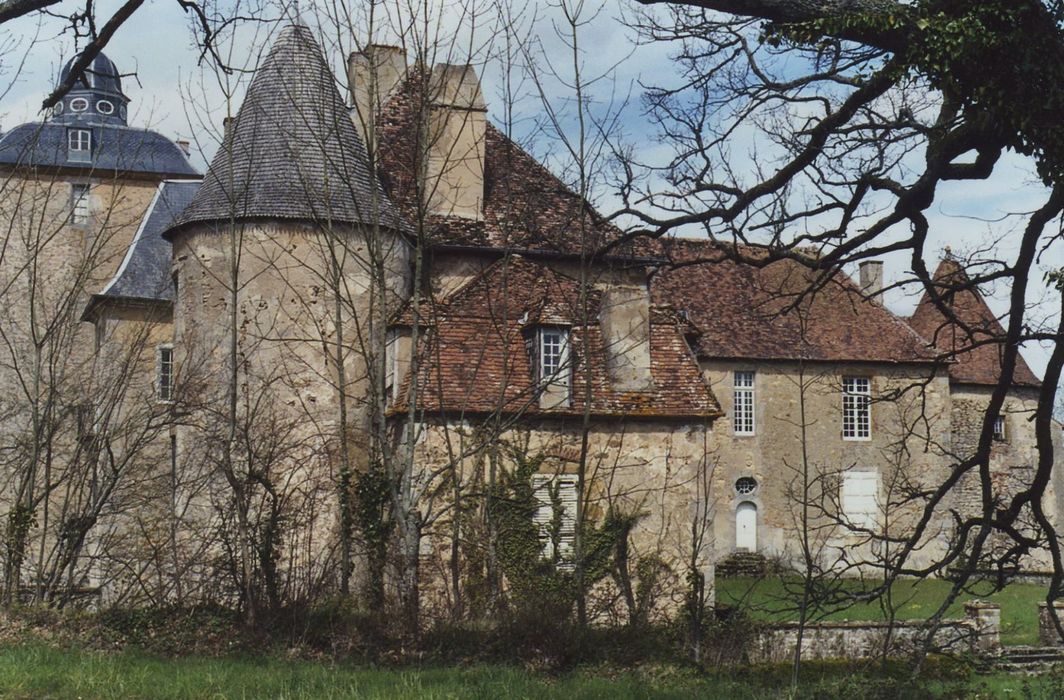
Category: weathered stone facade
[798,439]
[299,291]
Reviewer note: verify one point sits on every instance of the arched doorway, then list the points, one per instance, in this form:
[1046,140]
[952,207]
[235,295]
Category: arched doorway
[746,527]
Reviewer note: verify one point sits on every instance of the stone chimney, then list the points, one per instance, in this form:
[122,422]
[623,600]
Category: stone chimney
[371,75]
[454,173]
[625,321]
[872,278]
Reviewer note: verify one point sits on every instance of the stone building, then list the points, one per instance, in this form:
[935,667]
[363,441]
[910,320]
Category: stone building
[388,281]
[75,194]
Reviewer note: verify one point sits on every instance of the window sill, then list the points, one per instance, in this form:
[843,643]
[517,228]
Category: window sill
[857,439]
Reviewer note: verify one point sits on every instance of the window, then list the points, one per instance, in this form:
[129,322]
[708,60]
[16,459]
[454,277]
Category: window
[100,333]
[105,107]
[743,403]
[85,417]
[391,360]
[80,210]
[79,104]
[553,369]
[746,485]
[164,384]
[552,352]
[860,498]
[79,145]
[556,504]
[856,408]
[999,429]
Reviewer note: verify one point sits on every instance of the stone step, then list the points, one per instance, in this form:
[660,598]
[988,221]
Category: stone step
[743,564]
[1023,667]
[1027,652]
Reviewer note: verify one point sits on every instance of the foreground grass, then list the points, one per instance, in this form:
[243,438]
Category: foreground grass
[34,670]
[772,598]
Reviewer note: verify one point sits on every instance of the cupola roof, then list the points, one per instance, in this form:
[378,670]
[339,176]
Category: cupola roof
[96,96]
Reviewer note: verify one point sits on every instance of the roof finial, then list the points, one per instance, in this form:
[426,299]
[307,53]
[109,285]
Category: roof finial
[949,252]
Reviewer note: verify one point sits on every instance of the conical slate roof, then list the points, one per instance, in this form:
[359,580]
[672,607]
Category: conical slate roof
[292,151]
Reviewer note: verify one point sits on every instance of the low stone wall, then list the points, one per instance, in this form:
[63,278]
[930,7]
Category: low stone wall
[1047,630]
[979,632]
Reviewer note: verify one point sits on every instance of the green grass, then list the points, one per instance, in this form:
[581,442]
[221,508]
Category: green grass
[34,670]
[913,599]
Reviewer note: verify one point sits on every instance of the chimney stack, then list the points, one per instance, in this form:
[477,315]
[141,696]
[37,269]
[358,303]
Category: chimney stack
[872,278]
[454,184]
[625,321]
[185,146]
[371,75]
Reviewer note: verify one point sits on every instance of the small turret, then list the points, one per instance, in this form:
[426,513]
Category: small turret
[96,98]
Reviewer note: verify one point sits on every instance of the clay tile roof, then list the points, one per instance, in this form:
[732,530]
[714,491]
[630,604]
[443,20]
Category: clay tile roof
[766,313]
[977,351]
[292,151]
[525,206]
[477,360]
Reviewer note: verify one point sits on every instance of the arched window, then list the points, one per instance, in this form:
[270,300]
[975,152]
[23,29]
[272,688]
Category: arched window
[79,104]
[105,107]
[746,527]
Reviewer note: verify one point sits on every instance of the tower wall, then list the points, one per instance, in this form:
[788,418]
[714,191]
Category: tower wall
[289,395]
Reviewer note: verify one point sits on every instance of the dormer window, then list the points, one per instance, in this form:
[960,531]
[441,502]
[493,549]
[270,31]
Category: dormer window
[79,145]
[551,362]
[79,104]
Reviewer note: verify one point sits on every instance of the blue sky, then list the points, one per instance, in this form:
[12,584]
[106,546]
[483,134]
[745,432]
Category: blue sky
[158,46]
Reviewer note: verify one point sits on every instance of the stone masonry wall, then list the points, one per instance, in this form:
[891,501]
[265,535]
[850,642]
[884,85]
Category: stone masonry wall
[656,469]
[286,342]
[909,435]
[1013,461]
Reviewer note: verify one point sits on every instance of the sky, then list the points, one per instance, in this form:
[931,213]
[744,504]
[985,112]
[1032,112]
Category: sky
[174,94]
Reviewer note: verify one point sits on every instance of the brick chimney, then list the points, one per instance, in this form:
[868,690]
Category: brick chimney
[872,278]
[625,321]
[454,182]
[371,75]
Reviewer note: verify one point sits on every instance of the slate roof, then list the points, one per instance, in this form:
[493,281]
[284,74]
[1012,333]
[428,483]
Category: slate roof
[97,96]
[763,313]
[976,352]
[525,206]
[476,359]
[116,150]
[144,275]
[292,151]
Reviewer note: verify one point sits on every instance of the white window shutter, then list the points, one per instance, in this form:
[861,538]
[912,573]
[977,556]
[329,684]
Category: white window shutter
[860,498]
[566,486]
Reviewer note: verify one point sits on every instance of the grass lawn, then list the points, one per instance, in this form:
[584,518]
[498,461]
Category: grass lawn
[913,599]
[33,670]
